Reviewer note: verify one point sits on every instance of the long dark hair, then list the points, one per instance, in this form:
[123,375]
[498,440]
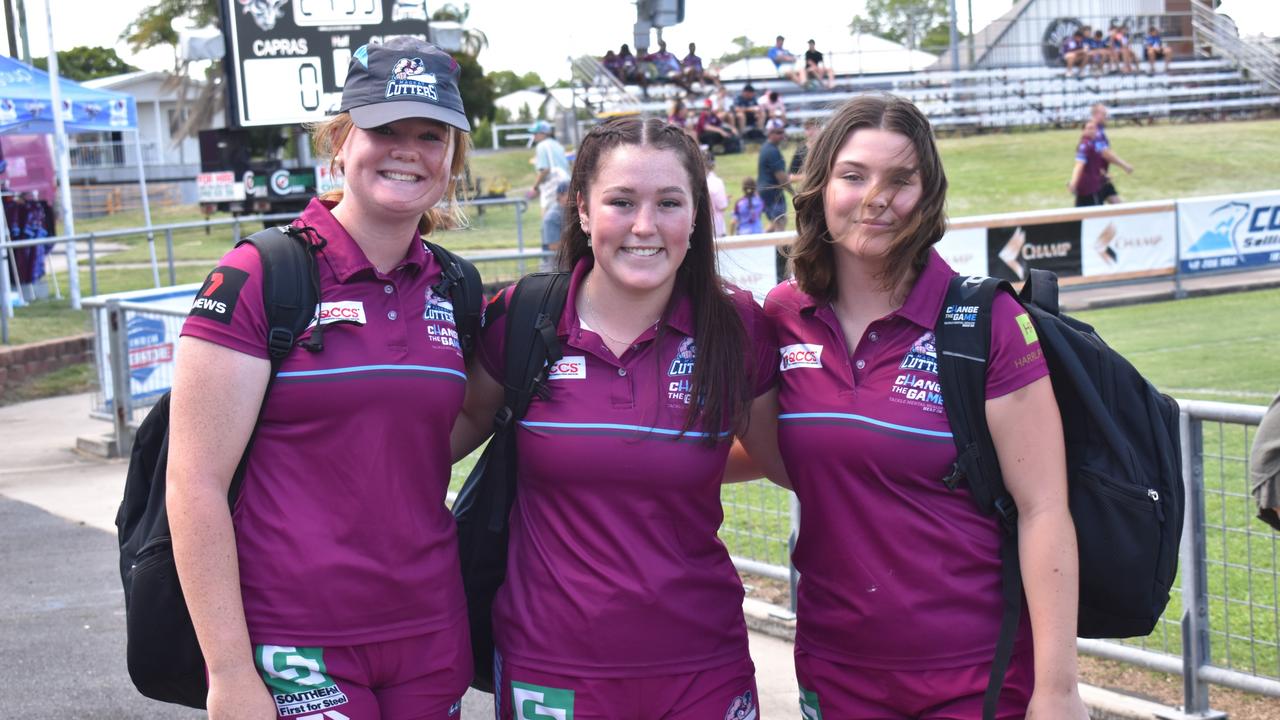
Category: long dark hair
[812,255]
[722,385]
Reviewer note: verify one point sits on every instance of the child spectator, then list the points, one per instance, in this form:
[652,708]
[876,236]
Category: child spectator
[747,212]
[772,106]
[784,62]
[1120,47]
[1155,48]
[680,117]
[1100,53]
[815,68]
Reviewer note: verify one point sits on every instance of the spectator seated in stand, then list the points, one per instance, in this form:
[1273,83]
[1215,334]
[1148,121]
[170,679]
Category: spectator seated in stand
[746,107]
[816,69]
[1122,50]
[630,71]
[724,107]
[712,131]
[1155,48]
[679,116]
[666,67]
[784,62]
[1074,54]
[613,64]
[772,106]
[694,71]
[1100,56]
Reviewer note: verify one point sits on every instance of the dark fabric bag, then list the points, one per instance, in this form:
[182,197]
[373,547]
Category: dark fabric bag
[483,506]
[1124,461]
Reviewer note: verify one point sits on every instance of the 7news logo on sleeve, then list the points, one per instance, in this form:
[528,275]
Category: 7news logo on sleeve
[217,298]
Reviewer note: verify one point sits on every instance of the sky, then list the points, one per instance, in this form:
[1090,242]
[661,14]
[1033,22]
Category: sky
[539,36]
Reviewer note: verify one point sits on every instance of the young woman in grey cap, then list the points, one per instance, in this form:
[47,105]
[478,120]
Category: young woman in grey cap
[334,589]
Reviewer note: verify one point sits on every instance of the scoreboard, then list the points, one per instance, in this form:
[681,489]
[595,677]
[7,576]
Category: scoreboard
[286,60]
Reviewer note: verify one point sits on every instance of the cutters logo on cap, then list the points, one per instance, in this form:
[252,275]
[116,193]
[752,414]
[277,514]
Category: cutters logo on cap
[409,76]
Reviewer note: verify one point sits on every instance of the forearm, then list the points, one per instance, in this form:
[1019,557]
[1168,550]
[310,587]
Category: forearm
[542,175]
[1050,575]
[204,549]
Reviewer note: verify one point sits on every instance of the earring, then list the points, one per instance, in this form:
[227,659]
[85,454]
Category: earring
[588,240]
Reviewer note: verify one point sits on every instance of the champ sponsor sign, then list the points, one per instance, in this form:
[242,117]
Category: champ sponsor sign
[1117,244]
[1054,246]
[1229,232]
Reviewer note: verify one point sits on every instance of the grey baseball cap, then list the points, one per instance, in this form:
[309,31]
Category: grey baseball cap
[403,78]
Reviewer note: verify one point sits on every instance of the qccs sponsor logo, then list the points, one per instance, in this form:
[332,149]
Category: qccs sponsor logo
[800,356]
[344,311]
[569,367]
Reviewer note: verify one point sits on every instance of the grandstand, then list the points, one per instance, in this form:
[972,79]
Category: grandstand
[1215,75]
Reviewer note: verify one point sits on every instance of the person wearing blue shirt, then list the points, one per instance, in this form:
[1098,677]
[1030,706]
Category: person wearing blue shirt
[784,62]
[1156,48]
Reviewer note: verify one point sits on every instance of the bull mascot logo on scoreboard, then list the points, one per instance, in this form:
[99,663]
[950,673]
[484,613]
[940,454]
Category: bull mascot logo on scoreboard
[265,13]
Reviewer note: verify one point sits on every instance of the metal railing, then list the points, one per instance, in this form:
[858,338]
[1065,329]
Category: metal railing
[1217,34]
[111,154]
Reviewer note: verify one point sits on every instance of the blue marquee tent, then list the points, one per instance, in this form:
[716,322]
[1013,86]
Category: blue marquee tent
[26,104]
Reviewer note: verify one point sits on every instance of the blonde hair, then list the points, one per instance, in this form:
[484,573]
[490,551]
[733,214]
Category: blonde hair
[328,136]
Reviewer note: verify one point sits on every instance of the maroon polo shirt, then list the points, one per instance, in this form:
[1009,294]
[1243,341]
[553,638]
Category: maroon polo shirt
[615,569]
[896,571]
[341,527]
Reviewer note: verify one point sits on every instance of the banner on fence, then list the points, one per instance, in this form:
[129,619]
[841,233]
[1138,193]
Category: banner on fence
[1228,232]
[1119,244]
[1055,246]
[965,250]
[152,340]
[754,269]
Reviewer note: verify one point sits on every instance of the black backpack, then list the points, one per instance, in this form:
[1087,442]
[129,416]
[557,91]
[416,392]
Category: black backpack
[483,505]
[1124,461]
[164,658]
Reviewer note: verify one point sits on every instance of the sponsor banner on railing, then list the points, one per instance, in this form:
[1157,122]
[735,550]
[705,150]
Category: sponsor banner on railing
[1230,231]
[754,269]
[1053,246]
[1118,244]
[152,341]
[965,250]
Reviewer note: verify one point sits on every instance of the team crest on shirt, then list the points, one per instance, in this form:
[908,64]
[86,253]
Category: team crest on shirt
[683,362]
[743,707]
[923,355]
[440,324]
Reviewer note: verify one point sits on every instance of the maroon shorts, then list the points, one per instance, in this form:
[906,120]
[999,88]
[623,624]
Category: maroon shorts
[418,678]
[832,690]
[727,692]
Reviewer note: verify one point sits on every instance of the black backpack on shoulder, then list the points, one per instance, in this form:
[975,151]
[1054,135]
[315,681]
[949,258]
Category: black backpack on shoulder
[1124,461]
[164,658]
[483,506]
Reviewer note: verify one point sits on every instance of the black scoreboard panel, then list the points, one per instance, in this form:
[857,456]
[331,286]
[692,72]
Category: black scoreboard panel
[287,60]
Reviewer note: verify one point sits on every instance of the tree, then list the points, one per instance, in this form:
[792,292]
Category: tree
[153,25]
[86,63]
[475,88]
[917,24]
[745,48]
[506,82]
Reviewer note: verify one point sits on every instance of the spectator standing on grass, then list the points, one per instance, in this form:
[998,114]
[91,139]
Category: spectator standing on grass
[772,177]
[815,67]
[716,194]
[1086,176]
[748,211]
[811,127]
[1264,466]
[550,162]
[899,602]
[1109,194]
[1156,49]
[784,62]
[552,223]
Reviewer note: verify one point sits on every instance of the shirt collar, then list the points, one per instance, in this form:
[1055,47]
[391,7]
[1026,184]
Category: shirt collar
[341,251]
[680,316]
[923,303]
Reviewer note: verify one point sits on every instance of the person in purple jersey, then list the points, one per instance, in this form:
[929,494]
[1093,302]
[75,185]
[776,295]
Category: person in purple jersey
[335,583]
[620,601]
[899,596]
[1087,179]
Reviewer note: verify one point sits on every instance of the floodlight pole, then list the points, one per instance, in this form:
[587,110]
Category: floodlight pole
[970,33]
[64,163]
[955,36]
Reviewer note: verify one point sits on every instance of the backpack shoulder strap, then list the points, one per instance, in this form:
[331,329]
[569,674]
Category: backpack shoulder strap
[531,343]
[460,282]
[290,288]
[964,347]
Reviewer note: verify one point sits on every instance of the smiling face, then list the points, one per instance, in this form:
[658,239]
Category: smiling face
[874,187]
[396,170]
[639,213]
